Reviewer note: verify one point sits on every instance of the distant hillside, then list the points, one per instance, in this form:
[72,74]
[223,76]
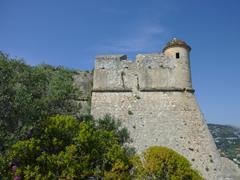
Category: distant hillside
[227,139]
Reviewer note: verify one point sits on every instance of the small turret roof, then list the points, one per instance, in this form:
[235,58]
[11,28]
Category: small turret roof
[177,43]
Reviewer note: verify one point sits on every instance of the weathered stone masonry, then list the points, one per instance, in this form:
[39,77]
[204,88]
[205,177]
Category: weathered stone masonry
[154,99]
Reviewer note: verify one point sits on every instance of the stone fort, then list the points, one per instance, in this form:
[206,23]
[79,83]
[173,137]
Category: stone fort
[153,97]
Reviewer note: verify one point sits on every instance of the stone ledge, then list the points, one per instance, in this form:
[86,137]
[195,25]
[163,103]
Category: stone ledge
[167,89]
[111,90]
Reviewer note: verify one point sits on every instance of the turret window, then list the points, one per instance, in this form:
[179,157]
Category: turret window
[177,55]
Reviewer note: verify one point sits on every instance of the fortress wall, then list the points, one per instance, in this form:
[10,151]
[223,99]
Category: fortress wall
[149,71]
[171,119]
[155,79]
[117,79]
[107,79]
[111,62]
[154,71]
[113,73]
[83,81]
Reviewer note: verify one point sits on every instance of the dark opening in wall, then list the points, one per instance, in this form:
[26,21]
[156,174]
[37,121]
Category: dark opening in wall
[177,55]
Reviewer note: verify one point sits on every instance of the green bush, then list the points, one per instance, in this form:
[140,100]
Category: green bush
[62,147]
[163,163]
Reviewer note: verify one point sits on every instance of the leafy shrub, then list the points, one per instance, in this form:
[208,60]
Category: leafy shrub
[163,163]
[62,147]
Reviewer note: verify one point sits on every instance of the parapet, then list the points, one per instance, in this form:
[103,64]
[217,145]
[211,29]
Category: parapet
[144,57]
[112,57]
[150,72]
[153,61]
[112,62]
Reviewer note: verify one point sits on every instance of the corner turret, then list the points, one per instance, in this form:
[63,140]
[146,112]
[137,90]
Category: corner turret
[179,51]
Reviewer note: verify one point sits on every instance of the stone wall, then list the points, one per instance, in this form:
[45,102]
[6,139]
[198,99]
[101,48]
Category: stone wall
[83,82]
[149,71]
[153,98]
[170,119]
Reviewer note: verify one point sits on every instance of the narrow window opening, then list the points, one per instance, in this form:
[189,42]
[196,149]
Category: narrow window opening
[177,55]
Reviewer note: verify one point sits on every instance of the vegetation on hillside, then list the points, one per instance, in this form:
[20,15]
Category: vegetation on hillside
[29,94]
[227,139]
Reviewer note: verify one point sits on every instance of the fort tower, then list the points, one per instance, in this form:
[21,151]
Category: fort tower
[153,97]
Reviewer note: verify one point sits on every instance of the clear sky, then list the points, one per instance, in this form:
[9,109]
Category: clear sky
[72,32]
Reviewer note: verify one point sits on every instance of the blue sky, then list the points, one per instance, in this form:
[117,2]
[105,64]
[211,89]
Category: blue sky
[71,33]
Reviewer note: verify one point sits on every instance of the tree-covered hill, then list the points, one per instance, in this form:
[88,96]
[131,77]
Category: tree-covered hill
[31,93]
[227,139]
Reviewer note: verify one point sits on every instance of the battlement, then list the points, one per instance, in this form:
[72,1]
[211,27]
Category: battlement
[121,61]
[148,72]
[112,62]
